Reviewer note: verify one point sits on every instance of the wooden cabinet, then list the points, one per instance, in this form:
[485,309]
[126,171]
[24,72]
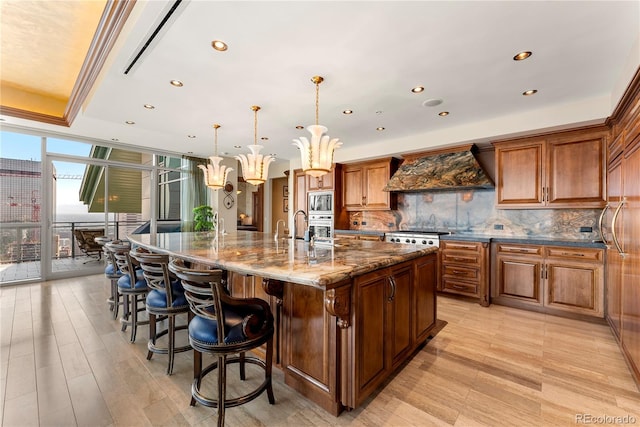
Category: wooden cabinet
[464,269]
[628,224]
[363,183]
[550,278]
[322,183]
[563,170]
[613,312]
[396,310]
[518,273]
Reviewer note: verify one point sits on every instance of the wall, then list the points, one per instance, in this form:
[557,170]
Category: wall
[278,202]
[474,212]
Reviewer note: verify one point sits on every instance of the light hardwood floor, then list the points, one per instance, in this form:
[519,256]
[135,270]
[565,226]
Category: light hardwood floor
[65,362]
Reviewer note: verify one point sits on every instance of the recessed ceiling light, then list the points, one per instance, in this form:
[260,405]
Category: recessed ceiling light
[299,127]
[273,154]
[379,112]
[432,102]
[2,120]
[176,83]
[189,152]
[347,112]
[417,89]
[443,113]
[379,128]
[237,146]
[522,56]
[130,122]
[115,139]
[219,45]
[191,136]
[530,92]
[149,106]
[264,138]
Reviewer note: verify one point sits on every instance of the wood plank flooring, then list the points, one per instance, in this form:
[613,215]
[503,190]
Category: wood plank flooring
[65,362]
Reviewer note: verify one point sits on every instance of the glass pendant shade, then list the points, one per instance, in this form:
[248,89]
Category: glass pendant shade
[317,155]
[255,166]
[215,174]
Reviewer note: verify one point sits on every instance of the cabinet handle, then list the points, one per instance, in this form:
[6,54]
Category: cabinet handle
[458,287]
[458,272]
[571,254]
[457,259]
[600,219]
[392,282]
[613,227]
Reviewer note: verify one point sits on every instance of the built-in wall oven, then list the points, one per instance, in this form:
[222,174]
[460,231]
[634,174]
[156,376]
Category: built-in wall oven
[320,203]
[321,226]
[321,214]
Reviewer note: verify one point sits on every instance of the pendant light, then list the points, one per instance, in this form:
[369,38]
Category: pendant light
[255,166]
[317,154]
[215,175]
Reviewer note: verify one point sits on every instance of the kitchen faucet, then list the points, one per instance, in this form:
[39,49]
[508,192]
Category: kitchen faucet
[278,228]
[306,221]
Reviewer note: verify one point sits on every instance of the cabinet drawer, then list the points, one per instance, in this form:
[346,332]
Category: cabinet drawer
[519,249]
[461,272]
[459,286]
[579,254]
[460,258]
[460,246]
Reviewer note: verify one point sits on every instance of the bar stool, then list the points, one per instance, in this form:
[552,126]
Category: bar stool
[225,327]
[112,273]
[132,286]
[165,301]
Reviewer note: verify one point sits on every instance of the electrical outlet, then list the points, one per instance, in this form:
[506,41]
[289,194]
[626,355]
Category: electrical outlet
[498,227]
[389,224]
[355,222]
[364,222]
[586,229]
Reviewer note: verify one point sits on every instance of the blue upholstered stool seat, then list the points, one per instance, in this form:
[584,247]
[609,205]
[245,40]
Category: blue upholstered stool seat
[158,299]
[125,281]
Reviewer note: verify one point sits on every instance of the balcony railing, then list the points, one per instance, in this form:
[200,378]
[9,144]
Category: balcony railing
[21,242]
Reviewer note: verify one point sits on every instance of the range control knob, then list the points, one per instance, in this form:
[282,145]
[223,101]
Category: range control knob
[407,241]
[431,242]
[424,242]
[413,240]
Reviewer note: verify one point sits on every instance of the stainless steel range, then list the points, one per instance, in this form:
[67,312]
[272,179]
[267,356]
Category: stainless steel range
[418,238]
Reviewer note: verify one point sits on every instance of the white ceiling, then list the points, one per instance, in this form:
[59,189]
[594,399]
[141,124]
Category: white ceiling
[371,53]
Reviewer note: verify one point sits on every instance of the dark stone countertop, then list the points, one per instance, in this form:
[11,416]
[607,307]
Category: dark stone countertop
[532,240]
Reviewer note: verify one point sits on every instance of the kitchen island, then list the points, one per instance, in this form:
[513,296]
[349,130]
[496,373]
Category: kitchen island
[348,314]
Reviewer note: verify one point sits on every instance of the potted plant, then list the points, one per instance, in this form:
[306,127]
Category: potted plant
[203,218]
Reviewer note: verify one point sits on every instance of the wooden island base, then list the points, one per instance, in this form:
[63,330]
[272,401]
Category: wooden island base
[347,315]
[338,345]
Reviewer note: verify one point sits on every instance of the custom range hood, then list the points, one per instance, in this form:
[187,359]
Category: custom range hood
[450,169]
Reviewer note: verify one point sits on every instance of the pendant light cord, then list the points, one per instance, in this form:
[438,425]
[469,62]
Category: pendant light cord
[317,101]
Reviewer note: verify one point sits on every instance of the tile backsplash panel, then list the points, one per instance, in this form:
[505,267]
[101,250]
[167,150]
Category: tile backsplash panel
[473,211]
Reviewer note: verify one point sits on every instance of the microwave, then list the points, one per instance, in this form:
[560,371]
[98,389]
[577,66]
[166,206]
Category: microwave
[321,202]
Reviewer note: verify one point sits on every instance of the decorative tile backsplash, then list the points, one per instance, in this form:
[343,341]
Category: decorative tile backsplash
[473,211]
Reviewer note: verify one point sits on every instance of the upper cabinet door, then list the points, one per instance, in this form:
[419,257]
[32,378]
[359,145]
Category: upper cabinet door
[519,171]
[325,182]
[376,177]
[576,170]
[352,187]
[561,170]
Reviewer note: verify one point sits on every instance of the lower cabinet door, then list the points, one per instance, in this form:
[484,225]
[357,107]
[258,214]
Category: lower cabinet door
[575,288]
[519,278]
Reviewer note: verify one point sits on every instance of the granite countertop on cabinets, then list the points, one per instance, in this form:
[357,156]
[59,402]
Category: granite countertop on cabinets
[532,240]
[255,253]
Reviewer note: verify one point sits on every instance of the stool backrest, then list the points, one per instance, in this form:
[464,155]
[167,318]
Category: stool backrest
[155,268]
[208,297]
[119,249]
